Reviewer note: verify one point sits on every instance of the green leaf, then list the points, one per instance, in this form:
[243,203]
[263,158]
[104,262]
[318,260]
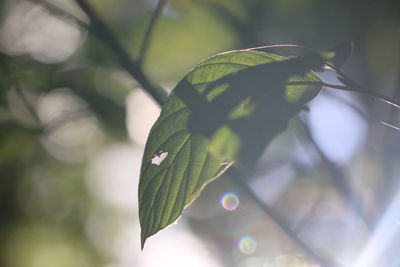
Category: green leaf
[226,110]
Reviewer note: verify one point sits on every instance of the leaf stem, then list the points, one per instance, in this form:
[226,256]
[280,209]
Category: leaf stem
[353,87]
[149,31]
[134,69]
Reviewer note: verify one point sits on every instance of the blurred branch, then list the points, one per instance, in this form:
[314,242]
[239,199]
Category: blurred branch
[27,104]
[389,155]
[236,175]
[340,181]
[149,31]
[392,114]
[244,30]
[55,10]
[311,211]
[134,69]
[100,29]
[66,117]
[396,94]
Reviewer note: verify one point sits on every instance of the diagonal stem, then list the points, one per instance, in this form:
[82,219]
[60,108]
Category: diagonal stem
[27,104]
[353,87]
[236,175]
[340,181]
[149,31]
[134,69]
[54,9]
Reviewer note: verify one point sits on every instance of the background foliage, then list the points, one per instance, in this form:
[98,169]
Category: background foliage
[73,124]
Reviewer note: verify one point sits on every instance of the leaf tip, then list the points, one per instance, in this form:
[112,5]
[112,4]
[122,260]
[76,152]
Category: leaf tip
[342,53]
[143,239]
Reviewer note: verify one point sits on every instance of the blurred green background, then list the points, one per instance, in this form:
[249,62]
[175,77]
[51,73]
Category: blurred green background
[73,125]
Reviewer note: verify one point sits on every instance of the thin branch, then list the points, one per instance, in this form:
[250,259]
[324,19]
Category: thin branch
[235,175]
[66,117]
[390,125]
[396,93]
[27,104]
[149,31]
[340,181]
[352,88]
[305,220]
[103,33]
[55,10]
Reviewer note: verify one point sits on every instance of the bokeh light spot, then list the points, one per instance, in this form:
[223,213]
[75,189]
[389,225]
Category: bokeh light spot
[229,201]
[247,245]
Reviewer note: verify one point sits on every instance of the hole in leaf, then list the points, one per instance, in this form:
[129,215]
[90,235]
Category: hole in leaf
[159,157]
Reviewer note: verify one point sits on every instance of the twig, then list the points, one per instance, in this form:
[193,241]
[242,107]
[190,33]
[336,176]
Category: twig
[340,181]
[390,125]
[66,117]
[235,175]
[102,31]
[61,13]
[311,211]
[352,88]
[27,104]
[149,31]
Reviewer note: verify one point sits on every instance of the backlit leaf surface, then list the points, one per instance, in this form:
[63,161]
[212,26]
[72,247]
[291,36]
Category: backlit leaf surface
[226,110]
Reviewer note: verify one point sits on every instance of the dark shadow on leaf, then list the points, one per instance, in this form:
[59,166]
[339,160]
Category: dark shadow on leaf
[262,89]
[225,111]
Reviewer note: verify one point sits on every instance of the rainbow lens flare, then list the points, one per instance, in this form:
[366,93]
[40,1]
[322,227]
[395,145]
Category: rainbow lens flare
[229,201]
[247,245]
